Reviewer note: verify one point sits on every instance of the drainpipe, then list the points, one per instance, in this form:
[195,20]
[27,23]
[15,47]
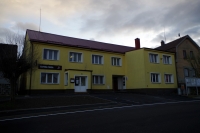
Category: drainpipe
[91,81]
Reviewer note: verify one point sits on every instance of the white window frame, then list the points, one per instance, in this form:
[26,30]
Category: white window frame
[46,82]
[58,53]
[77,57]
[66,78]
[151,76]
[94,80]
[168,60]
[171,78]
[102,59]
[120,61]
[152,60]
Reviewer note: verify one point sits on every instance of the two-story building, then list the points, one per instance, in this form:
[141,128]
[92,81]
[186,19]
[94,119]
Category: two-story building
[185,49]
[66,63]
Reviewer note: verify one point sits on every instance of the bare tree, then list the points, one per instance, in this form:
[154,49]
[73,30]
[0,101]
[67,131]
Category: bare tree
[195,63]
[15,59]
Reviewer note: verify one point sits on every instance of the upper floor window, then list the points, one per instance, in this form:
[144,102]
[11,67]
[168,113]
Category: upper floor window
[75,57]
[50,54]
[184,54]
[193,73]
[155,77]
[191,54]
[116,61]
[97,59]
[169,78]
[153,58]
[49,78]
[98,79]
[186,72]
[167,59]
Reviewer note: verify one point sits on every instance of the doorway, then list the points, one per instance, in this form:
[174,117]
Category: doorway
[80,84]
[118,82]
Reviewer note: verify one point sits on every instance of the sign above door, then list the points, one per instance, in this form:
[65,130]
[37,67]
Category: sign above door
[51,67]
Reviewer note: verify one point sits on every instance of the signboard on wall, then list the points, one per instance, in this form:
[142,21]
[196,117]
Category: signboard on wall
[50,67]
[72,80]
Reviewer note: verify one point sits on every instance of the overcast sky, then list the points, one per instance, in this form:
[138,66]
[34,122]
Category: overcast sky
[111,21]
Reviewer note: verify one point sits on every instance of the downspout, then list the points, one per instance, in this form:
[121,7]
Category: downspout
[91,82]
[30,85]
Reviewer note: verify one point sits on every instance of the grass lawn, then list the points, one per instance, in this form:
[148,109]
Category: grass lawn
[52,101]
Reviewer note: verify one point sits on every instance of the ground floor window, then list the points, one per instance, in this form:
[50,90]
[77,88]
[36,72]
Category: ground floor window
[98,79]
[155,77]
[168,78]
[49,78]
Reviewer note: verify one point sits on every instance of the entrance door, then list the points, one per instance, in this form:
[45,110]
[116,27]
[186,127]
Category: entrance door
[80,84]
[115,83]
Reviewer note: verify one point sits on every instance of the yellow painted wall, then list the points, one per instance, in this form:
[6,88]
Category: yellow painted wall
[138,69]
[159,68]
[105,69]
[135,69]
[135,66]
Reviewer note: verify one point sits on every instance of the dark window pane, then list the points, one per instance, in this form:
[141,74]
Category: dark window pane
[55,78]
[100,58]
[45,54]
[49,78]
[55,55]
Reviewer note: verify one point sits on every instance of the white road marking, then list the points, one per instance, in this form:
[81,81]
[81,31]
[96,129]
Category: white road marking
[37,116]
[55,107]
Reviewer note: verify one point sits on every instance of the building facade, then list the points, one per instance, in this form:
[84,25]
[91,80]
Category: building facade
[79,65]
[185,49]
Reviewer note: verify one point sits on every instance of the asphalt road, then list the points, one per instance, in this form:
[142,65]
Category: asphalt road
[183,117]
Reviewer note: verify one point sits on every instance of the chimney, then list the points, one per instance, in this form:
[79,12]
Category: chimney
[162,43]
[137,43]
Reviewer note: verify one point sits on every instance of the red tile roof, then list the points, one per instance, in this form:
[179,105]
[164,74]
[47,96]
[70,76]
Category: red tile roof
[36,36]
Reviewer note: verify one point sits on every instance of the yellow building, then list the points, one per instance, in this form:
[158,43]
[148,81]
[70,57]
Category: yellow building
[65,63]
[148,68]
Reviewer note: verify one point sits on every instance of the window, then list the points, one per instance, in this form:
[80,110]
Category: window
[193,73]
[153,58]
[116,61]
[66,78]
[166,59]
[97,59]
[155,77]
[49,78]
[186,72]
[191,54]
[184,54]
[49,54]
[97,79]
[169,78]
[75,57]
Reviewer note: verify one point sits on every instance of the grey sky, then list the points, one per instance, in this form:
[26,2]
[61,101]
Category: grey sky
[113,21]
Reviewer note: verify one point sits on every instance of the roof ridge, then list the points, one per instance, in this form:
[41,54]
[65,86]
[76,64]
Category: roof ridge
[80,38]
[183,37]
